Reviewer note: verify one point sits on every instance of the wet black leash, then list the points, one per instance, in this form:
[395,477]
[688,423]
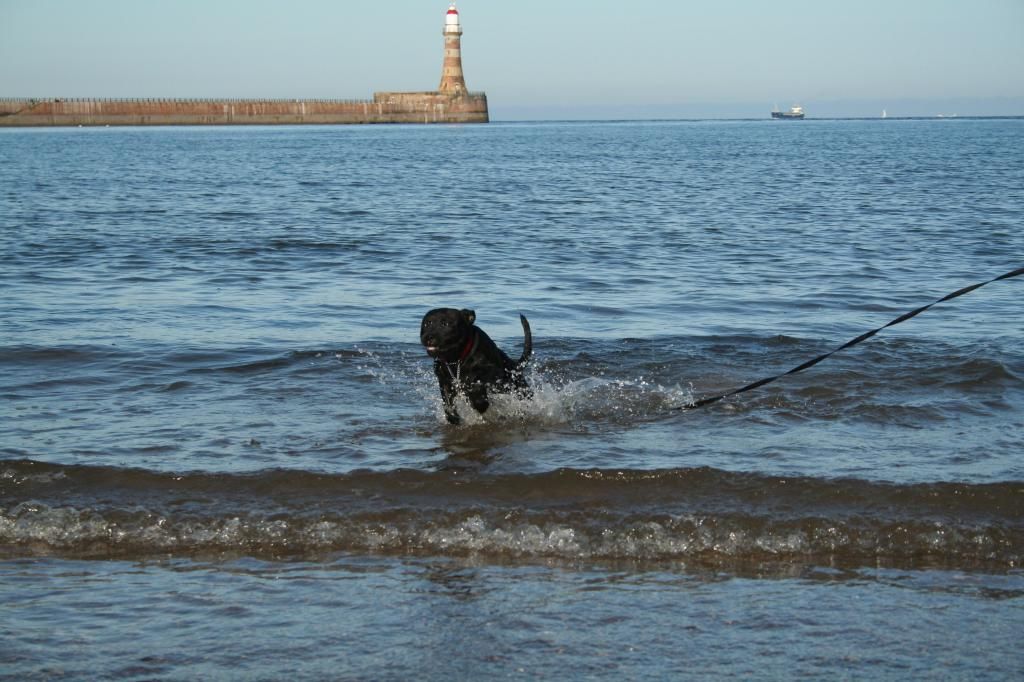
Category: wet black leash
[902,318]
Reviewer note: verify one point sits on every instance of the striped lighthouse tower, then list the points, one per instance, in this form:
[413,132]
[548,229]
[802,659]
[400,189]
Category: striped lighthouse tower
[452,80]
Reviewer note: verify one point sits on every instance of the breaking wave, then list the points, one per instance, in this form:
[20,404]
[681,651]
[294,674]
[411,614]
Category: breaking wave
[683,514]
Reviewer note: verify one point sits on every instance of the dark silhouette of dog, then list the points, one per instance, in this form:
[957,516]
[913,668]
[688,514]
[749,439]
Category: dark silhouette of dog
[467,361]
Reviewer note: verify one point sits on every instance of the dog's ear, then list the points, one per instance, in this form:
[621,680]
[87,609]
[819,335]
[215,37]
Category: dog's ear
[469,316]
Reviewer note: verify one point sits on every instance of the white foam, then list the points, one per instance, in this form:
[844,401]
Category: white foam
[577,402]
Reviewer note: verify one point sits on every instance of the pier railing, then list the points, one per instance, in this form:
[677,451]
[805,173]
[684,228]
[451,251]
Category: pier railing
[182,100]
[198,100]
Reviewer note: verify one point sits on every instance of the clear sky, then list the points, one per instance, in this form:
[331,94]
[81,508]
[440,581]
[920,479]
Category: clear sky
[561,59]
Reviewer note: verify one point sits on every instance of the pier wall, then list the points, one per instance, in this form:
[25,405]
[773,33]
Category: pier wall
[385,107]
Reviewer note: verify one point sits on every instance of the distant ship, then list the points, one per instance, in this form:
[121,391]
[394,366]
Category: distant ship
[794,112]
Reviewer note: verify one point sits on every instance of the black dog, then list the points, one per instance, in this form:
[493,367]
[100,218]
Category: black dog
[466,360]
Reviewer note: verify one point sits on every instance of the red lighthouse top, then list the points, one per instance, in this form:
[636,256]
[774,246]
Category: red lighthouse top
[451,21]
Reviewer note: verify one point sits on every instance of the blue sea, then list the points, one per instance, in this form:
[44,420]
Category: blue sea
[223,453]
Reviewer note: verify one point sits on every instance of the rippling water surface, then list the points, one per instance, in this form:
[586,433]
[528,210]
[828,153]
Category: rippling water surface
[217,418]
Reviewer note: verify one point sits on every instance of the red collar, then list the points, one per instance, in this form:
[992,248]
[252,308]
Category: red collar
[470,345]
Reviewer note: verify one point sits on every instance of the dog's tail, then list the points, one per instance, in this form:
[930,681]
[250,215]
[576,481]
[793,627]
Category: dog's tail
[527,341]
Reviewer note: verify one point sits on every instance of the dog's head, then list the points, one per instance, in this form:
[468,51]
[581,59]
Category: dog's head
[444,331]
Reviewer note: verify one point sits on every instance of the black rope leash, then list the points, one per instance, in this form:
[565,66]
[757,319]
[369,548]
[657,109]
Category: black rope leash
[867,335]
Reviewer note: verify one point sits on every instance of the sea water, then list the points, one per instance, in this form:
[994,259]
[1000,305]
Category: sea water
[223,453]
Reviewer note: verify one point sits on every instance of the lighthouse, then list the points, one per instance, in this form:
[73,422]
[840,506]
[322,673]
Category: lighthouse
[452,80]
[452,102]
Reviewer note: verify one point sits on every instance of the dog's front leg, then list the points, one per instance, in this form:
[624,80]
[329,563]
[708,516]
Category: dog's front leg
[448,393]
[477,396]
